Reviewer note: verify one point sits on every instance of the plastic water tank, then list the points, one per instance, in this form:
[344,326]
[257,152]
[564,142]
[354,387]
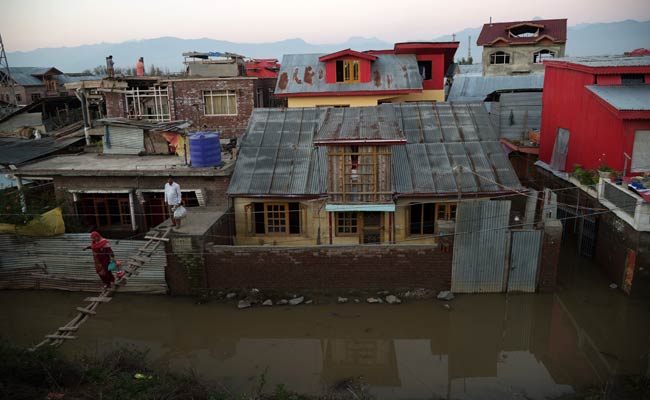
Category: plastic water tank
[205,149]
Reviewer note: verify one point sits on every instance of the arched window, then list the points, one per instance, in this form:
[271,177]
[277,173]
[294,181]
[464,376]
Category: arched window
[542,55]
[500,57]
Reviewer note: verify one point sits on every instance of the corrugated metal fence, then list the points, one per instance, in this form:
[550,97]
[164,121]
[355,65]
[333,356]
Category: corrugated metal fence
[483,249]
[60,263]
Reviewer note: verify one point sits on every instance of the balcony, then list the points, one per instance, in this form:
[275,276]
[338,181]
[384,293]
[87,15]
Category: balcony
[627,205]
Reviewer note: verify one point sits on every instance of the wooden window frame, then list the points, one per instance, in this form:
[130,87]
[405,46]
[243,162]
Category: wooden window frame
[408,216]
[449,211]
[351,71]
[350,220]
[249,209]
[366,175]
[123,208]
[230,95]
[501,54]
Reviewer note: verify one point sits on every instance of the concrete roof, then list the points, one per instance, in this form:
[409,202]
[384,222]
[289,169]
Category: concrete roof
[91,164]
[624,98]
[18,151]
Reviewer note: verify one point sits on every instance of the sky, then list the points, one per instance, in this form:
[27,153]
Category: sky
[29,24]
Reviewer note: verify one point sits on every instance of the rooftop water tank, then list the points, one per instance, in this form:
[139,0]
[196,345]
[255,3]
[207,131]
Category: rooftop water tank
[205,149]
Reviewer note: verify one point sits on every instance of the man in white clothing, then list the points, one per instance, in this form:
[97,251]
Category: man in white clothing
[173,198]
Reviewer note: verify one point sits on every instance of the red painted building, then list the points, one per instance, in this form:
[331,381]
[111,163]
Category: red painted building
[263,68]
[596,110]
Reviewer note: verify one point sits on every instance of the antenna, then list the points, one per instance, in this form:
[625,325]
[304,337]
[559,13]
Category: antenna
[5,74]
[453,37]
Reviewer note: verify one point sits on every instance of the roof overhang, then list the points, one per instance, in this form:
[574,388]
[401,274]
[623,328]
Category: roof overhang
[96,84]
[347,53]
[355,142]
[637,69]
[350,93]
[389,207]
[620,114]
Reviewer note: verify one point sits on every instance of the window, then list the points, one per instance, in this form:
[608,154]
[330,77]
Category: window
[346,223]
[50,85]
[446,212]
[632,79]
[540,56]
[36,96]
[525,31]
[422,219]
[500,57]
[424,67]
[274,218]
[347,71]
[641,152]
[19,98]
[220,102]
[105,209]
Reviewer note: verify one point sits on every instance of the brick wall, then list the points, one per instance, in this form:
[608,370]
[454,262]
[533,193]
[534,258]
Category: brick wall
[551,244]
[115,106]
[186,103]
[328,267]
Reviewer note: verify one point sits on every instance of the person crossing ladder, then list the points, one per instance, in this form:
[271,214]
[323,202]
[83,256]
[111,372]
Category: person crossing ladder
[173,199]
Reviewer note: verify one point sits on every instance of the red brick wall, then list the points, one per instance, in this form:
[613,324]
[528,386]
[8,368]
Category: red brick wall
[328,267]
[185,94]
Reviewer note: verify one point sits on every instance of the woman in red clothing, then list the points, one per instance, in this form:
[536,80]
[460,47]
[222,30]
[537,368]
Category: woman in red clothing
[103,255]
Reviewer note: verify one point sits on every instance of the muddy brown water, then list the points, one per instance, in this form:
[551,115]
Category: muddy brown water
[488,346]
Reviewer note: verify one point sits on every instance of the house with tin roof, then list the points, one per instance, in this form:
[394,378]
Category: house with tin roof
[413,71]
[31,84]
[391,173]
[520,47]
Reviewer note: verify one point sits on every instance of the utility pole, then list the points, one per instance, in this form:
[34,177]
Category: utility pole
[5,74]
[469,48]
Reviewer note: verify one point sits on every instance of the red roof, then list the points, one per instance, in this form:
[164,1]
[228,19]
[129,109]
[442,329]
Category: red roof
[553,29]
[347,53]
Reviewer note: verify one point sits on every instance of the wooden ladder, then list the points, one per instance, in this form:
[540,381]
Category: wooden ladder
[136,260]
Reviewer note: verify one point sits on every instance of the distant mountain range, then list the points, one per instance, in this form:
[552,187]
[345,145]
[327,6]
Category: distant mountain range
[165,52]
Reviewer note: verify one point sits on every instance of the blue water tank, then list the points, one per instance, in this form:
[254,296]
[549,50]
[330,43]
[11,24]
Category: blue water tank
[205,149]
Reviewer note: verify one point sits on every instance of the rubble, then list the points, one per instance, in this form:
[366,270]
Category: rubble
[445,295]
[296,301]
[342,300]
[268,302]
[243,304]
[391,299]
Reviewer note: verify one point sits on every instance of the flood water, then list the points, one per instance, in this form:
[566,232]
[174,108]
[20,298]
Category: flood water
[488,346]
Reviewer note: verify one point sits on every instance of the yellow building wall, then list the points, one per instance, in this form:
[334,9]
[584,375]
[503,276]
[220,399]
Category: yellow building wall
[364,101]
[322,101]
[425,95]
[402,216]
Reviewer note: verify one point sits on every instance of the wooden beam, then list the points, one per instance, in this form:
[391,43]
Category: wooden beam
[139,258]
[86,311]
[100,299]
[60,337]
[164,239]
[68,328]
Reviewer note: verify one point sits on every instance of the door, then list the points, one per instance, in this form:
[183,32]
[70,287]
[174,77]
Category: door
[525,251]
[371,231]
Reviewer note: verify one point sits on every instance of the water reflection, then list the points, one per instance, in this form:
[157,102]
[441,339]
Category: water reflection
[486,346]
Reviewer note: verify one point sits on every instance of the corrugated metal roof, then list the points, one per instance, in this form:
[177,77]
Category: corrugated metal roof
[147,125]
[518,113]
[624,98]
[606,61]
[303,73]
[360,123]
[553,28]
[277,155]
[65,78]
[480,246]
[18,151]
[476,87]
[31,263]
[471,69]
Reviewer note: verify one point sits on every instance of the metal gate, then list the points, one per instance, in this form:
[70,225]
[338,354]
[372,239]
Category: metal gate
[525,251]
[587,235]
[480,246]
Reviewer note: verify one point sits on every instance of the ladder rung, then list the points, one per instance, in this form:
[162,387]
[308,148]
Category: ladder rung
[86,311]
[100,299]
[68,328]
[164,239]
[140,258]
[60,337]
[145,249]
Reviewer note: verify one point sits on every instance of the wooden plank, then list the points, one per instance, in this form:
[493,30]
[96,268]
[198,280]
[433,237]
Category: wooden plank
[164,239]
[139,258]
[60,337]
[100,299]
[146,249]
[86,311]
[68,328]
